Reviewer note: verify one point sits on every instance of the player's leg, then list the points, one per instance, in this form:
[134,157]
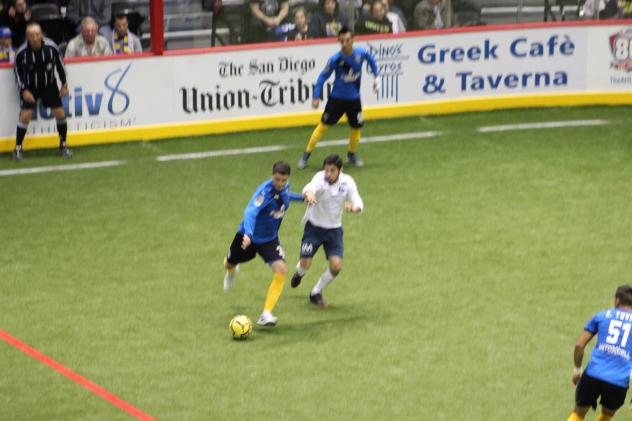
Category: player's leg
[586,394]
[52,99]
[334,249]
[312,239]
[612,398]
[25,117]
[331,115]
[356,121]
[273,255]
[234,257]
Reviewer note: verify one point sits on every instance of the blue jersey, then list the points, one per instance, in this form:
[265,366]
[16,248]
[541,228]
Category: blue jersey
[610,359]
[348,74]
[265,211]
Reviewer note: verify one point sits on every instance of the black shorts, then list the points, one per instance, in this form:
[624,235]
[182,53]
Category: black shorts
[49,96]
[270,252]
[335,108]
[589,389]
[313,237]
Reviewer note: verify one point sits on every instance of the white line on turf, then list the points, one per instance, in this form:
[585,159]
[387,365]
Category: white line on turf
[275,148]
[53,168]
[542,125]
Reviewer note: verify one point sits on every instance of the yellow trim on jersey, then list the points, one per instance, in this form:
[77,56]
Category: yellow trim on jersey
[165,131]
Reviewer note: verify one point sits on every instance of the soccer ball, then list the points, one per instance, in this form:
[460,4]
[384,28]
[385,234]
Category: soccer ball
[240,326]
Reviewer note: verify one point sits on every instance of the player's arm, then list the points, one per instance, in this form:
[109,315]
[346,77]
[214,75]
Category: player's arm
[377,82]
[355,203]
[295,197]
[257,202]
[20,77]
[320,82]
[578,354]
[312,188]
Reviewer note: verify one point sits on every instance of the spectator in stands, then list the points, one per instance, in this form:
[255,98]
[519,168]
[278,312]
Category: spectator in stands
[396,20]
[625,9]
[376,22]
[88,43]
[328,20]
[7,53]
[123,41]
[16,16]
[432,14]
[266,16]
[302,30]
[100,10]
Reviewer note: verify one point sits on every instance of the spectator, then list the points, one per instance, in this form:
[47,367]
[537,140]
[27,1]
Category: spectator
[16,16]
[302,30]
[328,20]
[625,9]
[100,10]
[7,54]
[376,22]
[88,43]
[266,16]
[432,14]
[123,41]
[396,20]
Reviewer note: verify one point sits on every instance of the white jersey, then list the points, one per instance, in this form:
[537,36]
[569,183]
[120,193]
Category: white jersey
[331,198]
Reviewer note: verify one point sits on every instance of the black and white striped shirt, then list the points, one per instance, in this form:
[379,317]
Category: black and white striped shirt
[35,69]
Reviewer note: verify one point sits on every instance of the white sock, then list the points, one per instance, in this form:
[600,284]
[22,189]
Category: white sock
[325,279]
[300,270]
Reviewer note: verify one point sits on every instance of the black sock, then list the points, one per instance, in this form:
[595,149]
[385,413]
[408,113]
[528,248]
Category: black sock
[62,128]
[19,136]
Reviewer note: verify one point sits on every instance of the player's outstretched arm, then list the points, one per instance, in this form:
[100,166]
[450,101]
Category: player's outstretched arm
[296,197]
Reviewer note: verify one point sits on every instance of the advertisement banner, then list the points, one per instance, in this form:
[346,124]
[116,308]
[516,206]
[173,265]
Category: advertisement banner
[171,90]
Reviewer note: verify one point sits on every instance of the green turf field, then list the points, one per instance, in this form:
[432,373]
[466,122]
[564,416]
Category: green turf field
[467,280]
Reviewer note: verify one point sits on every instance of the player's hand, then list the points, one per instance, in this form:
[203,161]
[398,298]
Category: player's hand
[63,91]
[350,208]
[245,242]
[310,198]
[377,84]
[315,103]
[28,96]
[576,377]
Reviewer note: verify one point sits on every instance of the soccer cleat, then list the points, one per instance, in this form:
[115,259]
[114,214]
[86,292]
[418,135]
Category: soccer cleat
[17,154]
[354,159]
[301,164]
[296,280]
[267,319]
[318,300]
[64,152]
[229,277]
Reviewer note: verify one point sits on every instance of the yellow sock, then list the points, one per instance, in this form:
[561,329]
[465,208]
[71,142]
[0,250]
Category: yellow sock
[574,417]
[603,417]
[231,269]
[354,140]
[317,134]
[274,292]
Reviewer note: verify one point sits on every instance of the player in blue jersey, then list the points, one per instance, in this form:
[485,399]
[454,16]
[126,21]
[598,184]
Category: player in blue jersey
[345,95]
[258,233]
[608,371]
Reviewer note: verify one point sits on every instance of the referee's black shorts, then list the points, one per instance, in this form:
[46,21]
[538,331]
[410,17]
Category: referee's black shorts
[589,389]
[336,107]
[49,96]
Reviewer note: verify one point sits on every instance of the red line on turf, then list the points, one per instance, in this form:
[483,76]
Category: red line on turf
[65,371]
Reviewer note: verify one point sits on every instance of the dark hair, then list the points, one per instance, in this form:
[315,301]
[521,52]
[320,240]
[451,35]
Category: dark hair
[345,30]
[333,159]
[624,294]
[281,167]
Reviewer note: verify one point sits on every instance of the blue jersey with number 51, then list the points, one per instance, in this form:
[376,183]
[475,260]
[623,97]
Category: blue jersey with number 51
[610,359]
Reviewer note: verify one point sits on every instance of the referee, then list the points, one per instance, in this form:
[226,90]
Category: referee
[35,64]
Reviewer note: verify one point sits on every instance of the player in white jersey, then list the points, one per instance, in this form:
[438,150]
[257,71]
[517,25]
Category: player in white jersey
[329,194]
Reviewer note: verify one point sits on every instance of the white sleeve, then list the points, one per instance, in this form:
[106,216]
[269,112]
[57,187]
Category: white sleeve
[354,196]
[316,184]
